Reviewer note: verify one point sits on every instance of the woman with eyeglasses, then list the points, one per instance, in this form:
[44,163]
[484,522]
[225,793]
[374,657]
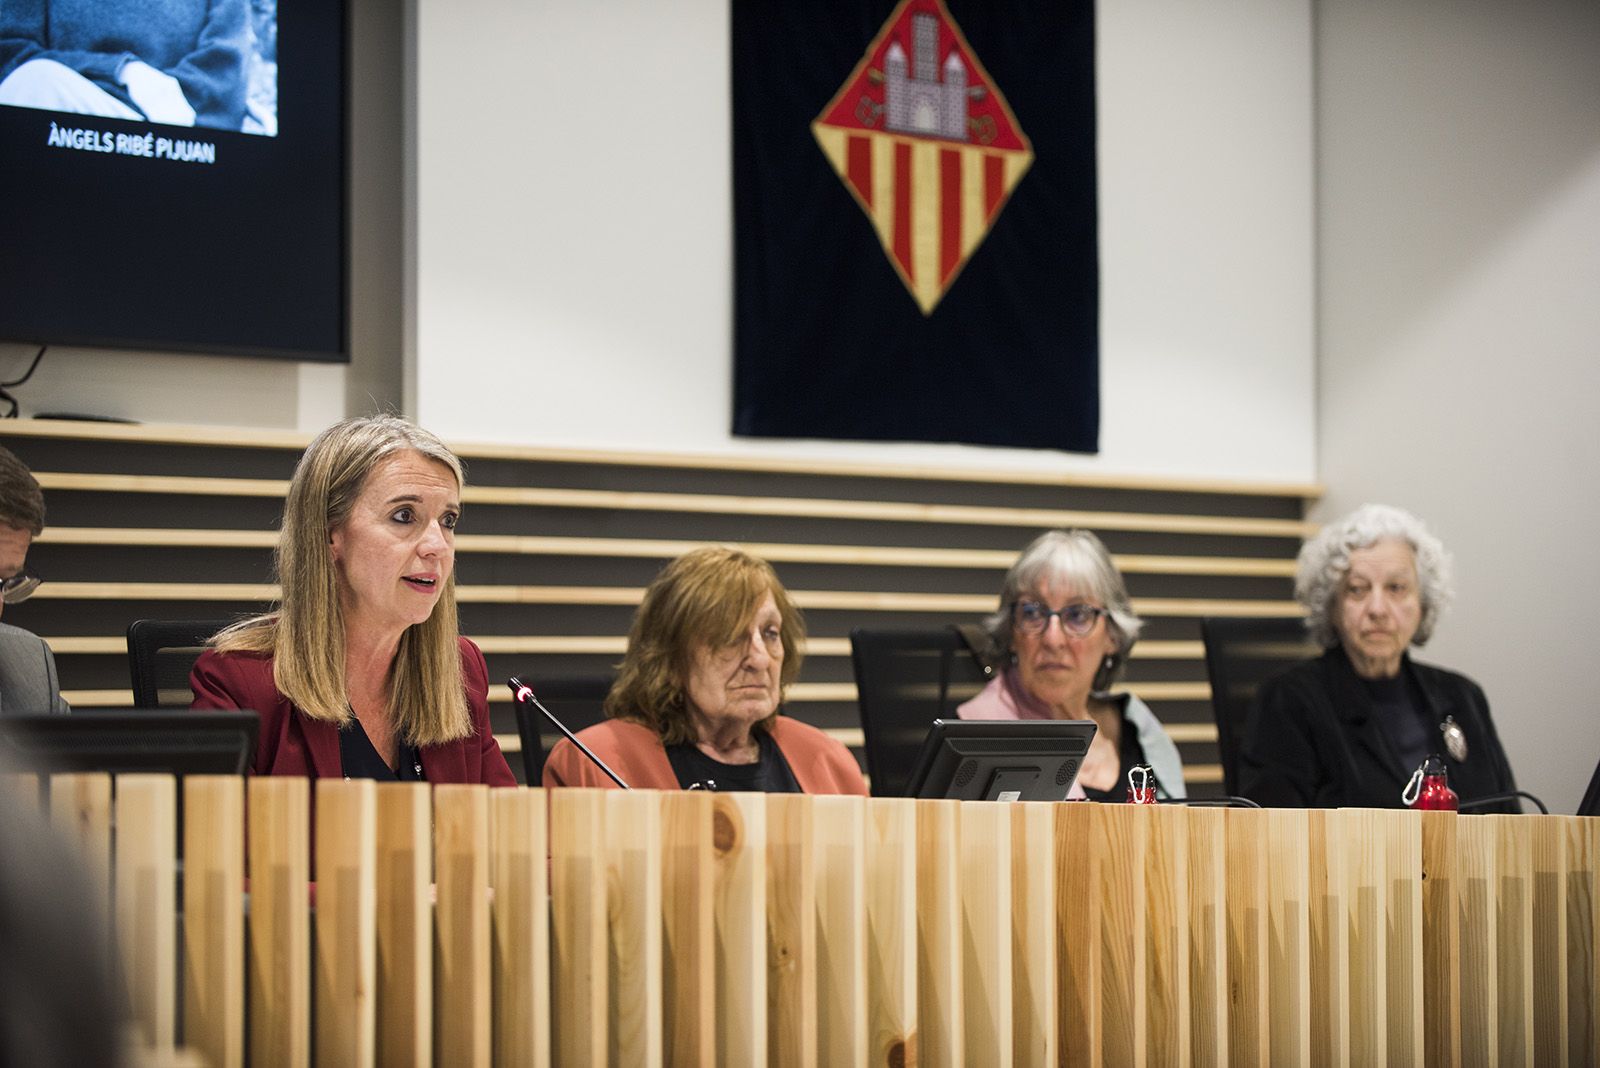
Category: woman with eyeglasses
[1063,630]
[696,705]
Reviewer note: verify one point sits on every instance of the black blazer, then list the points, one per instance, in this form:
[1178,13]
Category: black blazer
[1313,741]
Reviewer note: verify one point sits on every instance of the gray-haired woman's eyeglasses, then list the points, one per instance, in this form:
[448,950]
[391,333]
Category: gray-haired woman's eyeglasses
[1033,617]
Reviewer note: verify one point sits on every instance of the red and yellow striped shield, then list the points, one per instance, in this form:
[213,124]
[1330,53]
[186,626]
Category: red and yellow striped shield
[924,140]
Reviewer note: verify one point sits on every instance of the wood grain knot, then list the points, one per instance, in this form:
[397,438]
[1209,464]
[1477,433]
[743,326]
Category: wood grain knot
[895,1056]
[724,834]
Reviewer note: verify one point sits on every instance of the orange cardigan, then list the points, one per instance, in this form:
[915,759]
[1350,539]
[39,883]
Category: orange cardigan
[632,750]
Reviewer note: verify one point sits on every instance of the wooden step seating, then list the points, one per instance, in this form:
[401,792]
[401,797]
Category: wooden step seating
[556,547]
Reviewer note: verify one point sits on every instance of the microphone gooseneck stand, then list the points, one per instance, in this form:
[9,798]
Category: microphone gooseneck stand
[523,693]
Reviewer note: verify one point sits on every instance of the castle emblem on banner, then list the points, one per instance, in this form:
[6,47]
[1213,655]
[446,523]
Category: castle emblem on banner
[924,140]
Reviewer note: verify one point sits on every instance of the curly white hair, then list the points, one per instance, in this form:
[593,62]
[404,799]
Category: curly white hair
[1325,560]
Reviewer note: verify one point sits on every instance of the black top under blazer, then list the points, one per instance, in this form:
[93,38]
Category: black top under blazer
[1314,741]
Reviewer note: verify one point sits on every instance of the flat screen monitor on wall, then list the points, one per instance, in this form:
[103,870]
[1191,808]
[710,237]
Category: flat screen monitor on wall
[172,176]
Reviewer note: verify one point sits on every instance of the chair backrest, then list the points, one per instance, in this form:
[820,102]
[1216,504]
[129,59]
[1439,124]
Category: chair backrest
[906,679]
[160,654]
[575,699]
[1241,654]
[1590,805]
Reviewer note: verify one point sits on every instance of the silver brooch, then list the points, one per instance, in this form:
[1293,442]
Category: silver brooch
[1455,739]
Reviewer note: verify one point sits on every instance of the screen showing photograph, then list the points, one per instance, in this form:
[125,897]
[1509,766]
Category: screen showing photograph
[210,63]
[174,175]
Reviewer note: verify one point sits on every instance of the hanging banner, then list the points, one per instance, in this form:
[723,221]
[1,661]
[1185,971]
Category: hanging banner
[915,221]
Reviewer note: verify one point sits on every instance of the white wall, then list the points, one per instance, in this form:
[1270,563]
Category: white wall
[166,387]
[1459,301]
[573,260]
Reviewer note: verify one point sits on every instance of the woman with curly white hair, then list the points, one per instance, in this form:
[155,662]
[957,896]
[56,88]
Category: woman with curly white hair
[1349,728]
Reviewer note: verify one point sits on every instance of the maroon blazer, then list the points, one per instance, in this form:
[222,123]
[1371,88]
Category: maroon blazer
[291,744]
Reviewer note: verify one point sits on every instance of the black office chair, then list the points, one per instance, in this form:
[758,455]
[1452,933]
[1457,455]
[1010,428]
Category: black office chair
[575,699]
[160,654]
[1241,654]
[906,679]
[1590,805]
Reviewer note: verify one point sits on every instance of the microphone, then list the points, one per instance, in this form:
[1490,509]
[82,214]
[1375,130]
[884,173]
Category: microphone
[1228,801]
[1494,799]
[522,693]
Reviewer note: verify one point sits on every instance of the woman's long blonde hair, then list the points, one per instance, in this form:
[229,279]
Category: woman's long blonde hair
[305,634]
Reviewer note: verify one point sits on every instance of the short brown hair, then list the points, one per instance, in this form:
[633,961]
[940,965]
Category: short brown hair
[21,501]
[704,598]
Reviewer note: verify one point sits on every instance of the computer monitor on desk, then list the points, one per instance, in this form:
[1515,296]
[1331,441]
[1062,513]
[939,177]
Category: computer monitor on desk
[179,743]
[1001,760]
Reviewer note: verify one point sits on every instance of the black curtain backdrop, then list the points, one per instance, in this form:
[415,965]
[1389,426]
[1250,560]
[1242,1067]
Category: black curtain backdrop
[829,341]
